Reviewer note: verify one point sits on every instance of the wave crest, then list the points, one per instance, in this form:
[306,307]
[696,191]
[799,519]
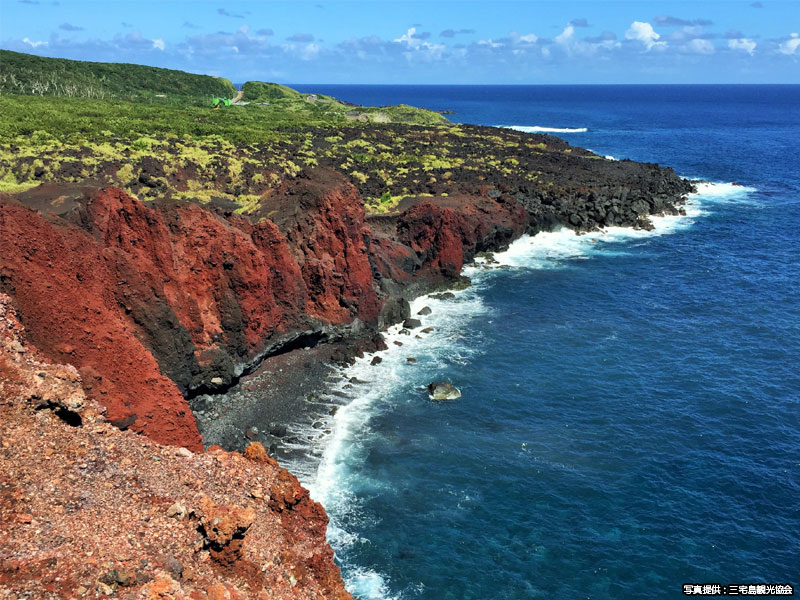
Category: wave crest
[540,129]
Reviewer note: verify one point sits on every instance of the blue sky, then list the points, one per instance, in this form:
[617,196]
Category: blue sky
[385,41]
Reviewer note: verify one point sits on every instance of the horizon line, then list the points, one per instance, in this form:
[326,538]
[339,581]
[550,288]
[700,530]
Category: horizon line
[524,84]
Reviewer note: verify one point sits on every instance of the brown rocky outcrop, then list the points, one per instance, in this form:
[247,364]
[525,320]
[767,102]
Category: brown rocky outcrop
[88,511]
[64,284]
[446,234]
[322,218]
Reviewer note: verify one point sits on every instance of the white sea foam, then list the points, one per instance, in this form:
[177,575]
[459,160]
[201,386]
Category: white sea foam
[341,452]
[334,478]
[366,584]
[540,129]
[607,156]
[709,190]
[550,250]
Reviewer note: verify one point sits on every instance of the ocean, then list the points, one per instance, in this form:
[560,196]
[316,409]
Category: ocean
[630,417]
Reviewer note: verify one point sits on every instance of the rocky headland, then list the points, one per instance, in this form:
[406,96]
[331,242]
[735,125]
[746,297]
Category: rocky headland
[121,316]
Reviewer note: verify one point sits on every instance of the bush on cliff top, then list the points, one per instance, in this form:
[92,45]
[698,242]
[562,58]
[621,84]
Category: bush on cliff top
[38,75]
[259,91]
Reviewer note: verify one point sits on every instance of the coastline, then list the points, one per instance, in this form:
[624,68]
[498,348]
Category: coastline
[322,450]
[289,402]
[208,390]
[308,266]
[327,361]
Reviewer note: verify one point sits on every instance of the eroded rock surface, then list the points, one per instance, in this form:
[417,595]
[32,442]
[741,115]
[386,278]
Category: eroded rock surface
[89,511]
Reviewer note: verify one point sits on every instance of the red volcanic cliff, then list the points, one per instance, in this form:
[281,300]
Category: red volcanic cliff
[152,301]
[88,511]
[323,221]
[446,234]
[63,282]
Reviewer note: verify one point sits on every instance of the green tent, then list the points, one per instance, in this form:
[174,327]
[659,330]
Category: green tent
[216,102]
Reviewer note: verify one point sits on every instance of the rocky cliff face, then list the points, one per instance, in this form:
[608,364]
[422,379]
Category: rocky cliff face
[66,285]
[156,302]
[88,511]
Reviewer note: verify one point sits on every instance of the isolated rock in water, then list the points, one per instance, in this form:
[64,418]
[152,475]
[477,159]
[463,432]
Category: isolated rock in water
[444,296]
[376,360]
[425,310]
[412,323]
[443,390]
[411,360]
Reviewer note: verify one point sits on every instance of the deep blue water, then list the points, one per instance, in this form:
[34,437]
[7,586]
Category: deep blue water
[630,418]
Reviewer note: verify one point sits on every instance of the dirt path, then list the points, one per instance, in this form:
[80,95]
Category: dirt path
[239,95]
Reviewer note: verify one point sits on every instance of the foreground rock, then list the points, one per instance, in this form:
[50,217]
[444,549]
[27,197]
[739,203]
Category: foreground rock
[87,510]
[443,390]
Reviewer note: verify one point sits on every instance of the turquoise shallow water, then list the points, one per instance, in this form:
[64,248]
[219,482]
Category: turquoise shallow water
[630,418]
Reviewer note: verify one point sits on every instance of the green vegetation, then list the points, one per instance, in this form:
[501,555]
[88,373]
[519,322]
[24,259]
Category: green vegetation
[179,146]
[36,75]
[75,99]
[74,118]
[259,91]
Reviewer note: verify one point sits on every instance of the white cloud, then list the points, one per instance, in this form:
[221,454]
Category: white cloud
[790,46]
[530,38]
[310,51]
[745,44]
[700,46]
[158,44]
[33,44]
[410,38]
[687,33]
[643,32]
[416,43]
[490,43]
[306,51]
[565,37]
[586,47]
[216,44]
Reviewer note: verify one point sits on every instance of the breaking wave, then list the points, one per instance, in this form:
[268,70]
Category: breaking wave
[539,129]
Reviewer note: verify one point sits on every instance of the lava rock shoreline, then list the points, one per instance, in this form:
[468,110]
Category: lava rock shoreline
[156,307]
[156,303]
